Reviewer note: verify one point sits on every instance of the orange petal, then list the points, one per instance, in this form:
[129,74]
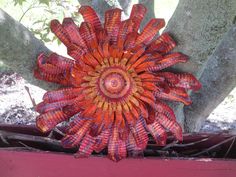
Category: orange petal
[145,66]
[138,54]
[150,30]
[139,61]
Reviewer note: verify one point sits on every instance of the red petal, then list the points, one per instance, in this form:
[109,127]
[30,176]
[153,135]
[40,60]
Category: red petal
[60,61]
[47,121]
[46,67]
[165,109]
[101,140]
[171,125]
[137,13]
[171,78]
[175,94]
[145,66]
[60,32]
[130,40]
[139,61]
[89,111]
[86,147]
[76,52]
[144,111]
[158,133]
[124,29]
[91,17]
[73,140]
[61,94]
[139,133]
[73,32]
[45,107]
[75,125]
[147,100]
[188,81]
[88,34]
[169,60]
[112,23]
[61,78]
[163,44]
[132,148]
[116,147]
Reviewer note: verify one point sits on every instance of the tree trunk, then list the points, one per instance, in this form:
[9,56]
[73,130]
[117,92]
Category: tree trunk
[19,49]
[218,79]
[197,27]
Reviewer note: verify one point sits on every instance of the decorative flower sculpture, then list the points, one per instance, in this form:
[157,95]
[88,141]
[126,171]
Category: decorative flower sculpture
[115,83]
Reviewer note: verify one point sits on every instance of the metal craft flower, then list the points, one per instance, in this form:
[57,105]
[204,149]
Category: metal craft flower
[115,83]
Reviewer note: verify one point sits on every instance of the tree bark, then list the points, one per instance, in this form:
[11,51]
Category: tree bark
[218,79]
[19,49]
[197,27]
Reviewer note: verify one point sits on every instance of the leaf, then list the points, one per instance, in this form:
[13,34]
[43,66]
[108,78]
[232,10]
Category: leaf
[38,21]
[44,2]
[50,11]
[46,40]
[20,2]
[58,42]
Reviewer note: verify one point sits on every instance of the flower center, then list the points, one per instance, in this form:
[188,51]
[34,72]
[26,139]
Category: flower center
[114,82]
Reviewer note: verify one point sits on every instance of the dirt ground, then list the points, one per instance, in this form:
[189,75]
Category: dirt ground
[16,106]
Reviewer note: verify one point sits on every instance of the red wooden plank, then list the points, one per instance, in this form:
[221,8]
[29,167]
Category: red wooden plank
[31,164]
